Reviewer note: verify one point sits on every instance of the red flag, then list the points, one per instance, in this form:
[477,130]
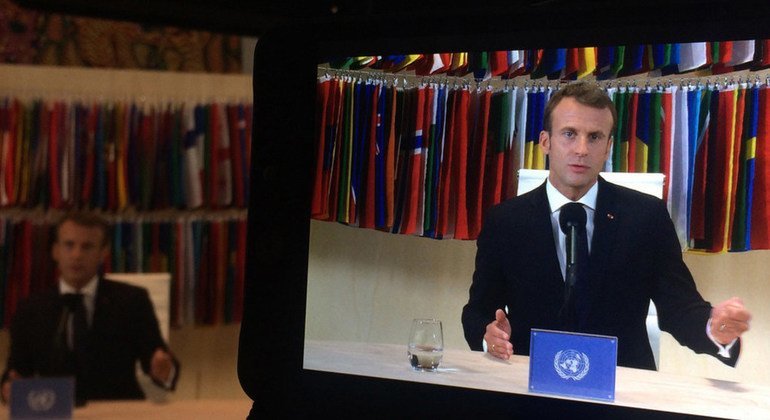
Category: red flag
[459,171]
[719,170]
[367,216]
[390,160]
[414,181]
[498,62]
[476,187]
[317,206]
[445,211]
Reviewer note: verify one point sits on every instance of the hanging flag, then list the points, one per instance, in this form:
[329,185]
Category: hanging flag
[395,109]
[698,222]
[54,154]
[405,130]
[741,238]
[679,173]
[666,139]
[460,170]
[718,181]
[495,150]
[641,144]
[379,158]
[587,62]
[446,216]
[434,166]
[365,196]
[498,63]
[554,60]
[477,161]
[619,151]
[541,99]
[760,206]
[693,56]
[344,145]
[459,66]
[522,107]
[192,173]
[743,52]
[571,67]
[655,133]
[735,163]
[414,173]
[512,148]
[427,128]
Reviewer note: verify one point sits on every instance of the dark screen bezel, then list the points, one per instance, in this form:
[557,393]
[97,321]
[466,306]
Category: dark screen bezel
[285,68]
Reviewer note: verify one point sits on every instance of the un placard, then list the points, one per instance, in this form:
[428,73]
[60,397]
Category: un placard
[42,398]
[573,364]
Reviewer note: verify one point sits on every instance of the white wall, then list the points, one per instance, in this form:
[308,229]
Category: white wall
[365,285]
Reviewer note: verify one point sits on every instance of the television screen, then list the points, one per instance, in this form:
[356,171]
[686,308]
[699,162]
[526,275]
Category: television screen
[342,263]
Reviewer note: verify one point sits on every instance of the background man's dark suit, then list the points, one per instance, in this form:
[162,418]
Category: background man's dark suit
[124,329]
[635,257]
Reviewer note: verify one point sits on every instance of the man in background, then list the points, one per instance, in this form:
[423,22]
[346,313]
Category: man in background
[633,254]
[89,327]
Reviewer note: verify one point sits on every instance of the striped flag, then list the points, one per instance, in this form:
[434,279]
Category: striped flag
[414,174]
[744,194]
[760,206]
[642,140]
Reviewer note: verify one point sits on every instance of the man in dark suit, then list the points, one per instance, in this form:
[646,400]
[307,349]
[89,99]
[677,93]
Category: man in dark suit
[90,327]
[518,283]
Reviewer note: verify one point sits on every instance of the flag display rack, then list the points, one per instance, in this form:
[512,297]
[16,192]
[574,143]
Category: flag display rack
[172,178]
[426,155]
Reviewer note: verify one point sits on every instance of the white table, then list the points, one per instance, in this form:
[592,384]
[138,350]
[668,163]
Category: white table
[468,369]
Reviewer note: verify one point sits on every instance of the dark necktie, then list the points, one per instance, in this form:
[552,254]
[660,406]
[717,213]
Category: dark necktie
[576,297]
[74,302]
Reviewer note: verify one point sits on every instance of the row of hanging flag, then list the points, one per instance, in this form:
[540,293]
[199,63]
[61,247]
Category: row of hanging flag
[606,62]
[428,159]
[206,259]
[115,155]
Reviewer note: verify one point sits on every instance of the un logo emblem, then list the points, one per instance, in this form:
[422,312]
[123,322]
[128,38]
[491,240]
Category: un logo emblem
[571,364]
[41,400]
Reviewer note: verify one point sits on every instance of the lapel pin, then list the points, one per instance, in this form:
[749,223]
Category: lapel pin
[610,216]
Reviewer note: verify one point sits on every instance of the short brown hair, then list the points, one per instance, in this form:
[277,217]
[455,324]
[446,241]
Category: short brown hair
[586,93]
[87,219]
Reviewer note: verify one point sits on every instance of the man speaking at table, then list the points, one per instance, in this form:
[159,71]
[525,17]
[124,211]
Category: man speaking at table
[89,327]
[630,254]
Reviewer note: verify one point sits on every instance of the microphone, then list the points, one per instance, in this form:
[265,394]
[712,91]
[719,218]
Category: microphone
[571,217]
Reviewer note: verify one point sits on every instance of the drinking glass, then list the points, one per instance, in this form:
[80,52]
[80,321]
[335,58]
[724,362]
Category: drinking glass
[426,344]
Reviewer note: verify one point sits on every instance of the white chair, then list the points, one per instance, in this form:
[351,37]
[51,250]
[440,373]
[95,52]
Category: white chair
[650,183]
[158,286]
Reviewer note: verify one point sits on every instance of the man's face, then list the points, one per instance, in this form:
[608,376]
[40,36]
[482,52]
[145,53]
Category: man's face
[79,251]
[577,147]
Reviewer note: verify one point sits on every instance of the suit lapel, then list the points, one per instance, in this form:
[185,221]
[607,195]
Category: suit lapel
[102,306]
[544,245]
[603,243]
